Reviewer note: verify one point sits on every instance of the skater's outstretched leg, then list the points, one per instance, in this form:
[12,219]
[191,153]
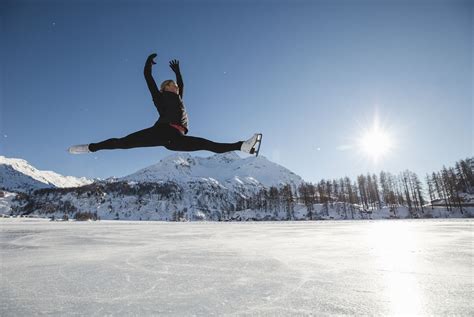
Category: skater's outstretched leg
[140,138]
[172,139]
[191,143]
[180,142]
[154,136]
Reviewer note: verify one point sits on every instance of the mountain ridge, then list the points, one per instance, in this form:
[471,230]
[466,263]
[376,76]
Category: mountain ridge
[19,175]
[227,168]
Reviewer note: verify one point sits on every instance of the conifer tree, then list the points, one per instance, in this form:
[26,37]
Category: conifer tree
[430,190]
[343,196]
[404,178]
[361,181]
[287,196]
[418,191]
[305,194]
[467,168]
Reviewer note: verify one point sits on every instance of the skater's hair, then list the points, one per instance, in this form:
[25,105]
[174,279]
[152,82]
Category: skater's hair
[166,83]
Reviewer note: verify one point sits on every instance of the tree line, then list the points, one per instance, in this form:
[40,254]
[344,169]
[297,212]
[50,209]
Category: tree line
[450,186]
[447,187]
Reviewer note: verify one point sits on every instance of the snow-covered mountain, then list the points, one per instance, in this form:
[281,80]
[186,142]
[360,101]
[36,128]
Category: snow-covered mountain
[180,185]
[19,176]
[228,169]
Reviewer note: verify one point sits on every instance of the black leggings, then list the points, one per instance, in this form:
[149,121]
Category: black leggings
[167,136]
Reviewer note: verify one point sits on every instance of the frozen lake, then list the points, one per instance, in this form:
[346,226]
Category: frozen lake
[421,267]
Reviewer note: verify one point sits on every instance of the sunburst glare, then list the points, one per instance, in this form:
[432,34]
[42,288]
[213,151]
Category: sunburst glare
[375,142]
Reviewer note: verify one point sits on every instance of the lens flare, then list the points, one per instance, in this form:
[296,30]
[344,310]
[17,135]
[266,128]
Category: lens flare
[375,142]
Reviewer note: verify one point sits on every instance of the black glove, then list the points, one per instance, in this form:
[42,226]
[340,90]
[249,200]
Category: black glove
[174,64]
[150,59]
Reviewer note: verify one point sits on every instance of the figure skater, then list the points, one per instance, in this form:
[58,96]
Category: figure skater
[171,128]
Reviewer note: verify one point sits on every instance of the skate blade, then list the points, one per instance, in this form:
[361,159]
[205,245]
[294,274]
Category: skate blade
[256,148]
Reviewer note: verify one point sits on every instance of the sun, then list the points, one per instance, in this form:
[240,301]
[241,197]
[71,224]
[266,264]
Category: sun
[375,142]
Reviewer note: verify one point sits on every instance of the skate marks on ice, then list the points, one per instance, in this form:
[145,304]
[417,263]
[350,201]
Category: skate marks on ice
[95,269]
[323,268]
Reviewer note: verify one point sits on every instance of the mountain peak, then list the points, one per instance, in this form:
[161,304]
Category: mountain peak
[178,159]
[19,175]
[226,168]
[225,157]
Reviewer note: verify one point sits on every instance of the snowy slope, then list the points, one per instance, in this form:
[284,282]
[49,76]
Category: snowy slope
[6,202]
[228,170]
[19,175]
[183,187]
[179,186]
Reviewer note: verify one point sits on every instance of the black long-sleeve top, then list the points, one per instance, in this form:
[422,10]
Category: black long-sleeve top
[170,106]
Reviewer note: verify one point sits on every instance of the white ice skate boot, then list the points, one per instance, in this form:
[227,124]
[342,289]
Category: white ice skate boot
[79,149]
[252,145]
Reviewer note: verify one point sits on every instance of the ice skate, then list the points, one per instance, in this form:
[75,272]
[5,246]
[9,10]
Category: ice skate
[252,145]
[79,149]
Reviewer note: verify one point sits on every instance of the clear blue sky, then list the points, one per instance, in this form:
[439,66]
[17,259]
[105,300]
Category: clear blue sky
[310,75]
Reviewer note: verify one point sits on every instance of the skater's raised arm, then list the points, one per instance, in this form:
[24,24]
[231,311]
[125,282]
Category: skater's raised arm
[149,78]
[174,64]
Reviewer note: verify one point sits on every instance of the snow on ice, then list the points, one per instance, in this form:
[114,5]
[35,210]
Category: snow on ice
[385,267]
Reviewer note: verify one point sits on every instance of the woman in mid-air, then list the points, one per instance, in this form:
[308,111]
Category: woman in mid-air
[172,126]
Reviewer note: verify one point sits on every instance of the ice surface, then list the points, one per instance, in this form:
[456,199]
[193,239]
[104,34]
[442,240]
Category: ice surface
[392,267]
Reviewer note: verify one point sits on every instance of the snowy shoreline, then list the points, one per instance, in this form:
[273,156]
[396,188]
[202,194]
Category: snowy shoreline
[300,216]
